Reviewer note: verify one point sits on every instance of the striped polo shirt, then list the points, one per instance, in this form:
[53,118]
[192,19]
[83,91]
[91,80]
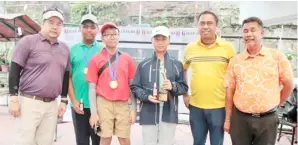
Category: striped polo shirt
[208,67]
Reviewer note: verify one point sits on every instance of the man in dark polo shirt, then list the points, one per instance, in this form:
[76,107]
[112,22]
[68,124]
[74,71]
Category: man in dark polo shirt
[80,55]
[39,74]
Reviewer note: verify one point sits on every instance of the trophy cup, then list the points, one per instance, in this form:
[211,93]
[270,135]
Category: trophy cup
[162,93]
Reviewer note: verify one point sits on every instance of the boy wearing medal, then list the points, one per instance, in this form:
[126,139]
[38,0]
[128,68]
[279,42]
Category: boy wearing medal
[109,75]
[80,55]
[158,83]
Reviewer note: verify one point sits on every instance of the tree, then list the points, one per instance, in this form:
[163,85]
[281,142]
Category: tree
[104,11]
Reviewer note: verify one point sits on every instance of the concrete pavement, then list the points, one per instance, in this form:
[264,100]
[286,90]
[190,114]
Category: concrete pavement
[66,133]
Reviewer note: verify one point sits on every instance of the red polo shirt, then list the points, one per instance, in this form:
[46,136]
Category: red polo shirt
[125,71]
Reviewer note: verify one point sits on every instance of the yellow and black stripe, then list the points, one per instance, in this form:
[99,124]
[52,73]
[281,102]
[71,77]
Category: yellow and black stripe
[208,59]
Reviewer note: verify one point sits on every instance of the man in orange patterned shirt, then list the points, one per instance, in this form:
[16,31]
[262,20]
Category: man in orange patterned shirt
[253,83]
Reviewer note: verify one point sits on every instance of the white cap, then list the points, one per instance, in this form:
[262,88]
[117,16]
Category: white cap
[89,17]
[52,13]
[161,30]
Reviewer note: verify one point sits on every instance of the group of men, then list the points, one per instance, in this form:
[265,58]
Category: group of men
[234,93]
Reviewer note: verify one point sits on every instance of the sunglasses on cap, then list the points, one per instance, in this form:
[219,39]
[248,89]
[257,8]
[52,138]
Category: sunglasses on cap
[53,9]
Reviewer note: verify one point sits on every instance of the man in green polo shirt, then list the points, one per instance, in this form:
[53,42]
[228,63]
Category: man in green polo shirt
[80,55]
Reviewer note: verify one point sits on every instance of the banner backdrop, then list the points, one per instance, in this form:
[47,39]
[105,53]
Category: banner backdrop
[72,35]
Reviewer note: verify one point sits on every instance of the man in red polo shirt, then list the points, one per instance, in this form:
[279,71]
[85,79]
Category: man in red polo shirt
[110,73]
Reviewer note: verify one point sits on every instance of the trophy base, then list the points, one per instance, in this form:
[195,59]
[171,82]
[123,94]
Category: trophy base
[163,97]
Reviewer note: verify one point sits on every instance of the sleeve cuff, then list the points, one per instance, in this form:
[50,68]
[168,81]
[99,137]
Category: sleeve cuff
[174,87]
[146,97]
[91,81]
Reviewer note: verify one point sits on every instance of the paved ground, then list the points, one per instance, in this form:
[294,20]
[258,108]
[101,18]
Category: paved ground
[66,133]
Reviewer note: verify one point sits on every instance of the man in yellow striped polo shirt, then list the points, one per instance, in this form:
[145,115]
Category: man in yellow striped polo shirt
[208,59]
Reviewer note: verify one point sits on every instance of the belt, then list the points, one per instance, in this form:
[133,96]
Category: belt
[258,115]
[44,99]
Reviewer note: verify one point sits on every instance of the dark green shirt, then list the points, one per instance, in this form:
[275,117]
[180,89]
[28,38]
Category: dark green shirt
[80,56]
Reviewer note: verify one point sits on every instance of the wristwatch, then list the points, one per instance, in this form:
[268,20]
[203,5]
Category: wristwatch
[64,101]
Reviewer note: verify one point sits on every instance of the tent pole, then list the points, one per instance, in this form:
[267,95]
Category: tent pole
[15,34]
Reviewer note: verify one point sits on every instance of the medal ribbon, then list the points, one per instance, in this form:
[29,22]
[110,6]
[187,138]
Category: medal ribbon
[87,60]
[113,72]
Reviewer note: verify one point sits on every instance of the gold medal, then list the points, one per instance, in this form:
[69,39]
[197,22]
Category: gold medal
[85,70]
[113,84]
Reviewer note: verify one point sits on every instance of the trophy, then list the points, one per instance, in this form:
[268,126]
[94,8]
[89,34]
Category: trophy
[162,93]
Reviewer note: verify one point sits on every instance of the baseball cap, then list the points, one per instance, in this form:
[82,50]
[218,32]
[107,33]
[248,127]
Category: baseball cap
[108,25]
[160,30]
[52,12]
[89,17]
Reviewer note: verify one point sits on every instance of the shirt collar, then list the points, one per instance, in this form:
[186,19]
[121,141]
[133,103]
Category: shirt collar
[42,38]
[262,52]
[217,41]
[93,44]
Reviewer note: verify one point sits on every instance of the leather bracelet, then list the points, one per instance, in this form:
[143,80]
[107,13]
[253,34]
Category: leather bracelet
[65,101]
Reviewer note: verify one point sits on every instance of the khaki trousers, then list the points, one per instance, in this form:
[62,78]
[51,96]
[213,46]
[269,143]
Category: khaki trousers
[37,122]
[114,118]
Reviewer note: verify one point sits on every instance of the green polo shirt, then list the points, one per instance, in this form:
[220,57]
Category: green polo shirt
[80,56]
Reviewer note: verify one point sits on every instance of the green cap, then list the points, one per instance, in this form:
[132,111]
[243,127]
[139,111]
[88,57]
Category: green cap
[89,17]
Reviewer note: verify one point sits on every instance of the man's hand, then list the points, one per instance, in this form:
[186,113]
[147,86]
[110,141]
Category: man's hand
[227,126]
[93,120]
[76,106]
[62,109]
[153,99]
[186,100]
[14,107]
[167,85]
[133,116]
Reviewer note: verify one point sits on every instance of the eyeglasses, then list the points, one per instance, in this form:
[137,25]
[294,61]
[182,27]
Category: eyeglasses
[110,35]
[53,9]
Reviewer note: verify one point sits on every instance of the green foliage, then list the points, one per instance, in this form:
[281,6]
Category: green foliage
[163,21]
[120,13]
[171,21]
[117,13]
[104,11]
[4,62]
[291,55]
[4,57]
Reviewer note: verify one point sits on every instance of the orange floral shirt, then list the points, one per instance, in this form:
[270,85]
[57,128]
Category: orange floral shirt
[257,79]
